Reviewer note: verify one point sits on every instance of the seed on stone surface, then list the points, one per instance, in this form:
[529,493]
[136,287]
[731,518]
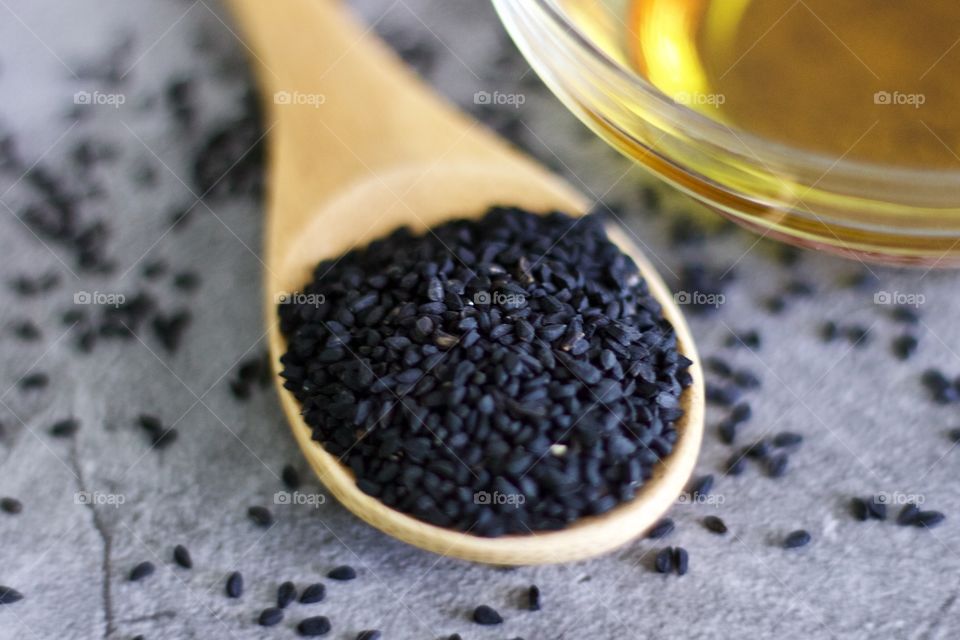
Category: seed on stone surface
[715,524]
[701,487]
[777,465]
[928,519]
[858,506]
[32,381]
[787,439]
[8,595]
[908,514]
[829,331]
[796,539]
[343,572]
[290,477]
[370,634]
[735,465]
[234,585]
[533,598]
[904,346]
[270,617]
[486,615]
[182,557]
[741,413]
[877,508]
[661,529]
[746,379]
[11,505]
[681,560]
[314,593]
[261,516]
[663,561]
[727,430]
[141,571]
[313,627]
[65,428]
[286,593]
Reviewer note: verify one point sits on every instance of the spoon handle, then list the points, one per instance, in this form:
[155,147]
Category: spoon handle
[341,107]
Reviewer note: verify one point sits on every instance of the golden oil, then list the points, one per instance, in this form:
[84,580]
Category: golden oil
[863,80]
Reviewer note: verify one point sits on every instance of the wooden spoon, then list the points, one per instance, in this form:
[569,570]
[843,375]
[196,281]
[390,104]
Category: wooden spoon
[359,146]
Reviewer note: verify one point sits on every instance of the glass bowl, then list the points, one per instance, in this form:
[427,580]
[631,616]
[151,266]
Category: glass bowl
[869,211]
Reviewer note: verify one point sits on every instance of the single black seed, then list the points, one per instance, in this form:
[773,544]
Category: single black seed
[928,519]
[858,335]
[291,477]
[661,529]
[727,430]
[718,366]
[314,593]
[663,562]
[681,560]
[343,572]
[859,509]
[787,439]
[315,626]
[182,557]
[877,508]
[741,413]
[261,516]
[486,615]
[234,585]
[11,505]
[908,514]
[904,346]
[701,487]
[286,593]
[370,634]
[759,450]
[796,539]
[777,465]
[141,571]
[746,379]
[829,331]
[533,598]
[9,595]
[34,381]
[736,465]
[715,524]
[65,428]
[270,617]
[906,315]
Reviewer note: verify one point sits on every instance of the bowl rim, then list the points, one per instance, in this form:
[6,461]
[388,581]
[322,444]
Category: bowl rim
[767,152]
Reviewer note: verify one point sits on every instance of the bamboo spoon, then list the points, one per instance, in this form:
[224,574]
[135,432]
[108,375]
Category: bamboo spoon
[358,146]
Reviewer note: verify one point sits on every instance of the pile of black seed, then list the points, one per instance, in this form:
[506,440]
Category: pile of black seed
[495,376]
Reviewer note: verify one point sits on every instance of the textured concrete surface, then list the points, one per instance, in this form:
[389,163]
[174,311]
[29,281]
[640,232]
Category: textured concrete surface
[868,424]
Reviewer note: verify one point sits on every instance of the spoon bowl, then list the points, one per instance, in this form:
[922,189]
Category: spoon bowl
[384,153]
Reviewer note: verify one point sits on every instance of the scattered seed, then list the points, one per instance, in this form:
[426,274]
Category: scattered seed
[343,572]
[928,519]
[486,615]
[829,331]
[904,346]
[270,617]
[65,428]
[261,516]
[954,435]
[661,529]
[681,560]
[908,515]
[371,634]
[777,465]
[859,509]
[877,508]
[787,439]
[315,626]
[736,465]
[533,598]
[11,505]
[9,595]
[741,413]
[234,586]
[141,571]
[796,539]
[746,379]
[715,524]
[182,557]
[33,381]
[286,593]
[727,430]
[314,593]
[290,477]
[701,487]
[663,562]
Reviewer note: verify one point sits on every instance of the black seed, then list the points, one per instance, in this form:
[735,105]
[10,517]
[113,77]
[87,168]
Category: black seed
[661,529]
[9,595]
[759,450]
[904,346]
[858,335]
[315,626]
[905,315]
[34,381]
[261,516]
[908,514]
[314,593]
[486,615]
[663,562]
[715,524]
[270,617]
[718,366]
[343,572]
[701,486]
[736,465]
[829,331]
[877,508]
[681,560]
[141,571]
[11,505]
[65,428]
[370,634]
[286,593]
[787,439]
[741,413]
[928,519]
[182,557]
[796,539]
[746,379]
[727,430]
[858,506]
[533,598]
[234,585]
[777,465]
[291,477]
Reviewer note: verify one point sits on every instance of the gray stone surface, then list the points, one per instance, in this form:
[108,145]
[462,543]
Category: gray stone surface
[869,425]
